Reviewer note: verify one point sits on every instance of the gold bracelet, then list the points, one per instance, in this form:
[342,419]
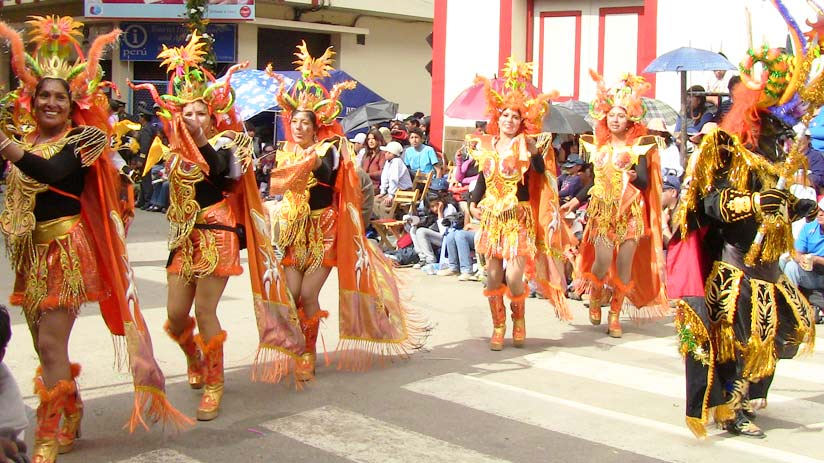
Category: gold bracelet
[5,144]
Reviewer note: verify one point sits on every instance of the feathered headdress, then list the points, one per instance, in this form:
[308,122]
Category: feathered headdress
[189,81]
[56,40]
[517,93]
[626,93]
[308,93]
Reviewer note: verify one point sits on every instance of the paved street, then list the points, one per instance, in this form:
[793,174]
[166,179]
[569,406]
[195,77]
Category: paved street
[572,394]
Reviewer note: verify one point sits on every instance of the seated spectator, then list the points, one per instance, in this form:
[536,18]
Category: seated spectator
[669,202]
[372,158]
[670,156]
[13,419]
[805,268]
[459,245]
[801,188]
[699,112]
[813,147]
[570,183]
[428,233]
[726,104]
[358,142]
[466,169]
[419,157]
[394,177]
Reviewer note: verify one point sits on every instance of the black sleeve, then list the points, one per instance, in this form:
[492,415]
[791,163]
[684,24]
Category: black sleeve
[537,162]
[218,160]
[479,191]
[583,194]
[642,181]
[53,170]
[327,165]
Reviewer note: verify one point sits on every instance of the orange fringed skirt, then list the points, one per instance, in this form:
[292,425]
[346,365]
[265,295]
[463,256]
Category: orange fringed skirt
[61,273]
[210,252]
[315,246]
[613,223]
[508,235]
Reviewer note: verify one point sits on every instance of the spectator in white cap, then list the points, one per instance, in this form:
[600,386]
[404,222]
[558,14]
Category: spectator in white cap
[358,142]
[394,177]
[671,162]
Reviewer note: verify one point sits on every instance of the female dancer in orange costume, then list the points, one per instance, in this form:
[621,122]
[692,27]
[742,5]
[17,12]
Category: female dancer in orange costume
[63,225]
[319,225]
[622,241]
[517,204]
[214,210]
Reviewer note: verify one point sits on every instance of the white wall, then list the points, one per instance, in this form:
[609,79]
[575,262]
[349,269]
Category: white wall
[471,46]
[622,50]
[392,63]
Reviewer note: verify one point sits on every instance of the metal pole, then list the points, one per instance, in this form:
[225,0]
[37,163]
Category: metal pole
[683,117]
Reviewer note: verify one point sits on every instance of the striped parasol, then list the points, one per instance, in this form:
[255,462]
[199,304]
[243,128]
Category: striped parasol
[655,109]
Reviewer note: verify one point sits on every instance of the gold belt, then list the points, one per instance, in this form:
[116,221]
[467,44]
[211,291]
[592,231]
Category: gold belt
[49,230]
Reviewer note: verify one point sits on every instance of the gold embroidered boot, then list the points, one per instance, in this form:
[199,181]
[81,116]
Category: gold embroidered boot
[620,292]
[209,407]
[52,402]
[72,414]
[496,306]
[596,298]
[305,370]
[194,357]
[518,306]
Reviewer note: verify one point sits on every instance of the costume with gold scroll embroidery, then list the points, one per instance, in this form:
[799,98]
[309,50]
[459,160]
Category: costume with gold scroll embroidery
[64,224]
[750,315]
[214,211]
[318,223]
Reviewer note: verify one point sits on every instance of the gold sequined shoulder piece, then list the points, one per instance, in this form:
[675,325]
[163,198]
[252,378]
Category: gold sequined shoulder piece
[644,144]
[241,144]
[588,146]
[89,143]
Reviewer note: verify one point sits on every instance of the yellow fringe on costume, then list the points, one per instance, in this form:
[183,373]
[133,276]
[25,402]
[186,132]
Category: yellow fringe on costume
[740,164]
[501,232]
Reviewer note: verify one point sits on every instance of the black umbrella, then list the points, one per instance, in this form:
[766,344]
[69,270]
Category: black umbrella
[368,114]
[564,120]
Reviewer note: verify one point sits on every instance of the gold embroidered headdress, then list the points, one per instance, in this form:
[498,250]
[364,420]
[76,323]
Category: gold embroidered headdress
[308,93]
[626,93]
[56,41]
[517,93]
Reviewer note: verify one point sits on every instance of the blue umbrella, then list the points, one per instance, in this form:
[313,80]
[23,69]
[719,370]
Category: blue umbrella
[688,59]
[255,91]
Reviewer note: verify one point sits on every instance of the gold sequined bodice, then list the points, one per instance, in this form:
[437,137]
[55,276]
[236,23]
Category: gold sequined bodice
[502,171]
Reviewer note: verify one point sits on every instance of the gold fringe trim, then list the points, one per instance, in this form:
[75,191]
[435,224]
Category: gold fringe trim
[502,230]
[723,413]
[697,426]
[725,342]
[156,407]
[760,358]
[693,335]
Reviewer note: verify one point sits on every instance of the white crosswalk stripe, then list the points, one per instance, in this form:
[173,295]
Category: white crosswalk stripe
[164,455]
[664,441]
[668,347]
[340,432]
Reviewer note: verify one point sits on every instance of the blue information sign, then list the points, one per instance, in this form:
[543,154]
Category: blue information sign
[143,41]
